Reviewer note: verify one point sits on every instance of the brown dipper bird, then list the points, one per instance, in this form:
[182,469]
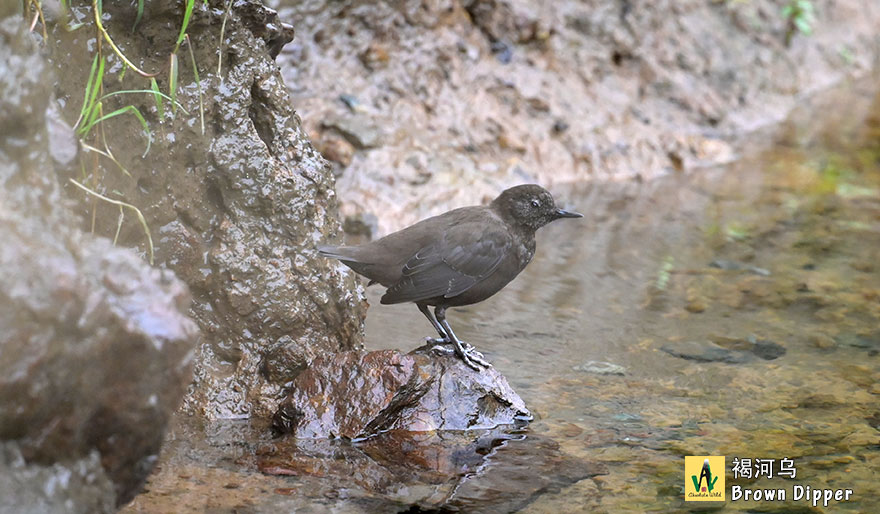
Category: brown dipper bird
[457,258]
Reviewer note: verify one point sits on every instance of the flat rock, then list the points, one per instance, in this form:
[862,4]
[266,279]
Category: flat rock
[357,394]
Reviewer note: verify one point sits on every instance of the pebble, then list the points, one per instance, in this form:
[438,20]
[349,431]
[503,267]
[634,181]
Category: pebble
[601,368]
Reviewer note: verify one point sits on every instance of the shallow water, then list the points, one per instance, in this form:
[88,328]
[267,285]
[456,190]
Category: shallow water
[729,312]
[801,219]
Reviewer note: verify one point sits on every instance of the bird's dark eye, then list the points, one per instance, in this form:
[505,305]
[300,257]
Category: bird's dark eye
[536,203]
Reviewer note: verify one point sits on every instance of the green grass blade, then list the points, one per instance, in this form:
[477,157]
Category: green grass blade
[172,82]
[122,110]
[88,94]
[99,81]
[91,106]
[183,26]
[140,14]
[157,96]
[150,91]
[89,121]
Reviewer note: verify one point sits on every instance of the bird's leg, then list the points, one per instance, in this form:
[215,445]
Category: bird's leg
[470,356]
[444,339]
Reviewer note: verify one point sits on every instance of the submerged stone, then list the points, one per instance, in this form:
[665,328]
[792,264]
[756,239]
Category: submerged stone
[729,350]
[601,368]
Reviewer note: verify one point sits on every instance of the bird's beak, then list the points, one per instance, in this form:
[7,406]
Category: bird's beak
[562,213]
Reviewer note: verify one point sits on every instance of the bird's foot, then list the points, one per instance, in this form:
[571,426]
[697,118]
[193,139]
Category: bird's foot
[441,343]
[469,355]
[442,348]
[473,358]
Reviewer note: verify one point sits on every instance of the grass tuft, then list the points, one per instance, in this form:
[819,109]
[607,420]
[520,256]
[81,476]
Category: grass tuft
[121,204]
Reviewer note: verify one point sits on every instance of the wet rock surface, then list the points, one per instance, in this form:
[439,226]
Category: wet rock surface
[474,96]
[75,486]
[355,395]
[96,350]
[235,208]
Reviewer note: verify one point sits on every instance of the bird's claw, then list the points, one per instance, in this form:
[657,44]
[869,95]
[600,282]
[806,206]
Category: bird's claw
[440,347]
[469,355]
[438,341]
[472,357]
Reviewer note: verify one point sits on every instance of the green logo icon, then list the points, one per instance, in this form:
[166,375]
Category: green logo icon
[705,473]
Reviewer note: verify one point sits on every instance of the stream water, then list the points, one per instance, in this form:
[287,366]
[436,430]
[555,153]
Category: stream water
[731,312]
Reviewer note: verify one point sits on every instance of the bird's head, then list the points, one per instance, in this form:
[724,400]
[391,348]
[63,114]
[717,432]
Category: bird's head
[530,206]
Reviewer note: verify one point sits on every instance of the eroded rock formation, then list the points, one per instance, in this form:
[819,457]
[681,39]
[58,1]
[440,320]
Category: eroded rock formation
[96,349]
[236,209]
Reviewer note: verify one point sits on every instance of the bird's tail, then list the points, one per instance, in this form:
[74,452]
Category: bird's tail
[343,253]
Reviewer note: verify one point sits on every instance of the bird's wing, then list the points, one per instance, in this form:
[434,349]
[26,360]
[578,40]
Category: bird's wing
[450,266]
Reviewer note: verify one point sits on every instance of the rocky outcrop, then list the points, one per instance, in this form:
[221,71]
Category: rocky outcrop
[355,395]
[469,97]
[96,350]
[235,208]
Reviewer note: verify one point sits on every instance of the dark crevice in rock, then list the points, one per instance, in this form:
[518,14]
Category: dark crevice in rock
[261,116]
[397,407]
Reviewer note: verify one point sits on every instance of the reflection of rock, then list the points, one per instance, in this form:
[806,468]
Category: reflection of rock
[95,348]
[723,349]
[869,341]
[705,352]
[480,471]
[358,394]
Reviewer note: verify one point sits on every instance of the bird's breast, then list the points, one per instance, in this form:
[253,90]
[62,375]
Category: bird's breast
[525,253]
